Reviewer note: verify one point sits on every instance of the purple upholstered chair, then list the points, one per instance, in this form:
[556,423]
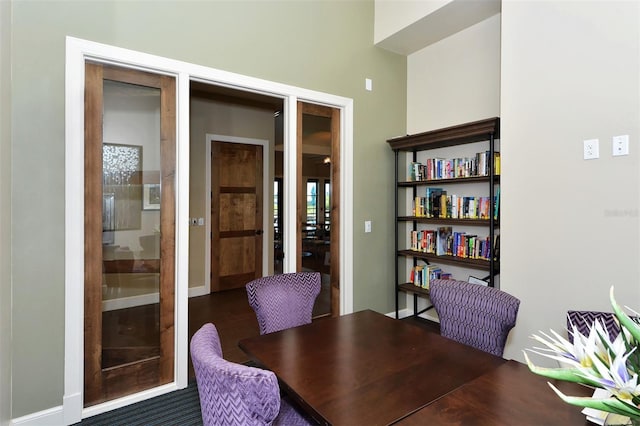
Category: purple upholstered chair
[283,301]
[583,321]
[473,314]
[235,394]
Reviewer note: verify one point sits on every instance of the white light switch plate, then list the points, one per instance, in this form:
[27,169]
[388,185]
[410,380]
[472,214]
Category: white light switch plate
[620,145]
[368,84]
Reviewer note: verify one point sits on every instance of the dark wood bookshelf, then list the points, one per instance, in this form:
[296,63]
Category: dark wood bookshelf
[447,259]
[410,183]
[461,134]
[407,148]
[411,288]
[423,219]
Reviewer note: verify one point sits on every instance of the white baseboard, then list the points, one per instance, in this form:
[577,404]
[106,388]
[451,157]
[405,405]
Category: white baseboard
[128,400]
[404,313]
[48,417]
[198,291]
[72,406]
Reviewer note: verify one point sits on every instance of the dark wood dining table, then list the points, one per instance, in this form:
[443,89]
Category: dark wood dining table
[508,395]
[366,368]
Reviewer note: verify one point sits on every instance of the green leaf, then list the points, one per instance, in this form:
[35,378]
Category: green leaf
[610,405]
[564,374]
[625,320]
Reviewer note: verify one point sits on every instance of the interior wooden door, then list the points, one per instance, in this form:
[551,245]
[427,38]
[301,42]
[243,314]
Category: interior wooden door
[318,243]
[129,228]
[236,214]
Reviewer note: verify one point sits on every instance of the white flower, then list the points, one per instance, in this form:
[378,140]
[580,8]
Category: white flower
[598,361]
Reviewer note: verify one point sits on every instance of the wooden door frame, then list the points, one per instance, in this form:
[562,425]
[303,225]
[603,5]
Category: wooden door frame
[267,197]
[77,51]
[161,370]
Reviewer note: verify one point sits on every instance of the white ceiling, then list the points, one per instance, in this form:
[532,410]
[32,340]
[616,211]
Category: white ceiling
[439,24]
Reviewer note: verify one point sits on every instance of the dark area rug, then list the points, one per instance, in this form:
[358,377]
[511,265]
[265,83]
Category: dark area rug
[180,407]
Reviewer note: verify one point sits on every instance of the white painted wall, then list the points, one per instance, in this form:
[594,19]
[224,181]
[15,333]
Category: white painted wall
[569,227]
[455,80]
[570,71]
[392,16]
[407,26]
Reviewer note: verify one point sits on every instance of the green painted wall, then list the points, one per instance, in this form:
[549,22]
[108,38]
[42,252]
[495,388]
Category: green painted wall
[5,212]
[320,45]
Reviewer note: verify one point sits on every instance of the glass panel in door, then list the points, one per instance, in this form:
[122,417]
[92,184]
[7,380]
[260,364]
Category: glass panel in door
[318,171]
[131,238]
[129,169]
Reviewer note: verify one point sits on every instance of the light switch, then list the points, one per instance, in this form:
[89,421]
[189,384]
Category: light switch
[368,84]
[367,226]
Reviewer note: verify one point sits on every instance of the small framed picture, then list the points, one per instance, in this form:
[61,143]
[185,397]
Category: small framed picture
[151,196]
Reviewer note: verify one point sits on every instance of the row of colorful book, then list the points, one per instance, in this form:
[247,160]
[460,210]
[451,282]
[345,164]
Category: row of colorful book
[445,242]
[439,204]
[424,241]
[453,168]
[438,242]
[422,275]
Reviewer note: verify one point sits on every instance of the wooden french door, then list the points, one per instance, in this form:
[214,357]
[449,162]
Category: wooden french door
[236,214]
[129,226]
[318,242]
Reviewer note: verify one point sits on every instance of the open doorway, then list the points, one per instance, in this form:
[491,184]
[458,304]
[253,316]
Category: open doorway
[249,118]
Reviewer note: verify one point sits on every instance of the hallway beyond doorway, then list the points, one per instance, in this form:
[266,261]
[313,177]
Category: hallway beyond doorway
[230,312]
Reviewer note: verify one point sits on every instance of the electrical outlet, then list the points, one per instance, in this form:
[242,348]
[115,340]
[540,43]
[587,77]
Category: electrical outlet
[620,145]
[591,150]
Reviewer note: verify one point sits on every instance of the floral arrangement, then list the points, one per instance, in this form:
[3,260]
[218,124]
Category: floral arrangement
[597,360]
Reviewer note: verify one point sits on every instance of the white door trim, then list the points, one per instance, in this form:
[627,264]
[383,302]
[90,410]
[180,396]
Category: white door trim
[77,52]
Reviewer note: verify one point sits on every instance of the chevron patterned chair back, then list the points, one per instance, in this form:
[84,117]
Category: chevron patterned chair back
[235,394]
[583,320]
[473,314]
[283,301]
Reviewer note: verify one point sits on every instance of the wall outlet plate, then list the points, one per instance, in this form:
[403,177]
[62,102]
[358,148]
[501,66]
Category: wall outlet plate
[620,145]
[591,149]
